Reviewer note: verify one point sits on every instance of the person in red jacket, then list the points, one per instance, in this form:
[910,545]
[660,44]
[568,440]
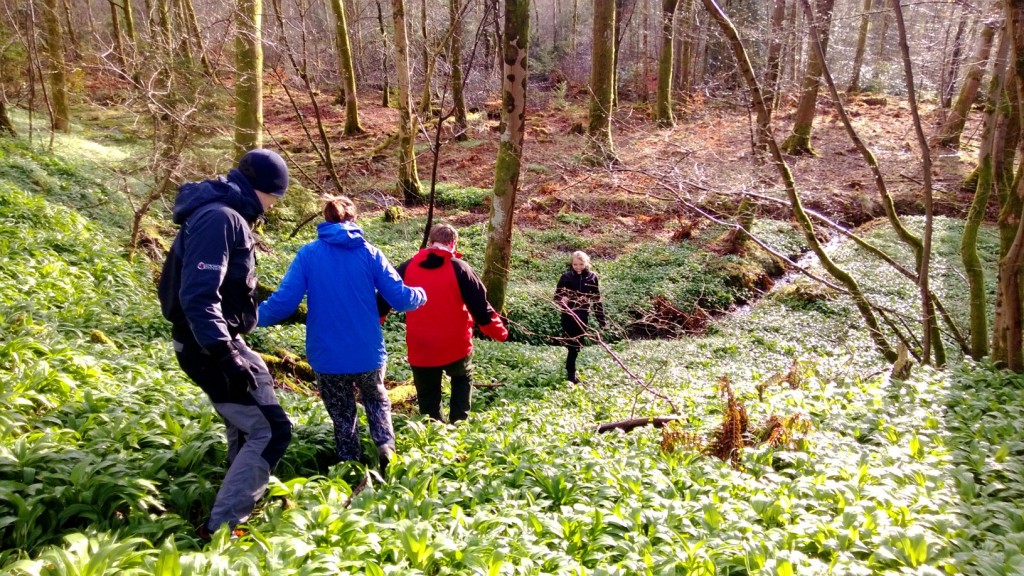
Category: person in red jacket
[439,334]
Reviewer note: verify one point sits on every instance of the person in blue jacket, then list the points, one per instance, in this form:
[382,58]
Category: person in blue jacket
[208,292]
[341,273]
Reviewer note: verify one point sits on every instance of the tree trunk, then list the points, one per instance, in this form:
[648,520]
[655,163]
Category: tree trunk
[346,69]
[428,63]
[858,54]
[115,32]
[620,12]
[497,257]
[953,127]
[663,108]
[164,27]
[1007,336]
[56,72]
[455,60]
[931,341]
[192,24]
[686,51]
[385,99]
[249,82]
[129,23]
[799,142]
[969,241]
[882,59]
[774,62]
[6,126]
[408,179]
[599,130]
[573,38]
[76,46]
[792,47]
[955,59]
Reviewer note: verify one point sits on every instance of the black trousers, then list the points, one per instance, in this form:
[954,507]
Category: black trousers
[428,389]
[573,340]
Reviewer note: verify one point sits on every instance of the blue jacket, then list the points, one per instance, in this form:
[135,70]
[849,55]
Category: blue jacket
[208,283]
[341,273]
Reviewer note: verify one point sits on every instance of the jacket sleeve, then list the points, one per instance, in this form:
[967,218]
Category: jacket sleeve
[391,289]
[598,306]
[211,234]
[474,295]
[560,289]
[383,307]
[283,302]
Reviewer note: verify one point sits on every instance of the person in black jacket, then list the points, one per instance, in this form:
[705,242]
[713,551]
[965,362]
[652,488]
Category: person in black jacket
[576,295]
[208,292]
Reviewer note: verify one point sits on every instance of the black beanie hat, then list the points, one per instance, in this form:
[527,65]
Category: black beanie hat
[265,170]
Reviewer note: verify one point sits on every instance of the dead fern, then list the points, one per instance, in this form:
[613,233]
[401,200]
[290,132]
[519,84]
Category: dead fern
[728,441]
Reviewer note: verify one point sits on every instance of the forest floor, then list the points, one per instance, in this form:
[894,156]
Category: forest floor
[706,157]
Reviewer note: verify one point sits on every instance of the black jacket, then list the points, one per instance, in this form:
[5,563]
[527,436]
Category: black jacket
[208,284]
[582,293]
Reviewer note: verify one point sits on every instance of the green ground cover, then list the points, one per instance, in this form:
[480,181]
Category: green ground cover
[109,456]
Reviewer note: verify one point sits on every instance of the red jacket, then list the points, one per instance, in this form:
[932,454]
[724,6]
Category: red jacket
[441,331]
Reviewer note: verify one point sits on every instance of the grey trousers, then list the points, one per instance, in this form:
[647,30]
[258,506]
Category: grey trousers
[258,432]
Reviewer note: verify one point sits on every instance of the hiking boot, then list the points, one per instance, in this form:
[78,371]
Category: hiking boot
[203,534]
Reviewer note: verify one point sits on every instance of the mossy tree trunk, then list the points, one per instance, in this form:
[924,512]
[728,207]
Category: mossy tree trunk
[969,241]
[663,107]
[799,142]
[129,23]
[510,151]
[1007,335]
[803,220]
[249,79]
[953,127]
[858,53]
[408,179]
[56,69]
[346,69]
[455,60]
[6,126]
[599,127]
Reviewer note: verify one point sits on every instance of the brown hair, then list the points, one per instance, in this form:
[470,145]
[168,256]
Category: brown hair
[339,209]
[443,234]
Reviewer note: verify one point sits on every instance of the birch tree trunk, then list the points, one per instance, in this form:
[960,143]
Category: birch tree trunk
[663,107]
[510,152]
[799,142]
[599,131]
[953,127]
[56,69]
[858,54]
[249,79]
[346,69]
[408,179]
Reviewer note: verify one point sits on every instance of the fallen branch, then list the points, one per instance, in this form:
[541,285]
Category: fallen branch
[632,423]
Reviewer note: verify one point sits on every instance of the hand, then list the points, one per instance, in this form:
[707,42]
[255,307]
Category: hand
[495,329]
[236,369]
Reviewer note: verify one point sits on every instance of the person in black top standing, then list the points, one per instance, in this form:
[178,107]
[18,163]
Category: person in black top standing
[576,295]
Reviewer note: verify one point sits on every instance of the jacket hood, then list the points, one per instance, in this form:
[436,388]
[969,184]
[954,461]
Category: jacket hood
[436,257]
[345,234]
[233,190]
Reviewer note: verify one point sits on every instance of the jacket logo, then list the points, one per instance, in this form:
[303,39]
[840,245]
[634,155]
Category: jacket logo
[205,266]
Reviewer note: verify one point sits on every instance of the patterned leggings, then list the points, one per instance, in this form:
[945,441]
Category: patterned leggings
[338,393]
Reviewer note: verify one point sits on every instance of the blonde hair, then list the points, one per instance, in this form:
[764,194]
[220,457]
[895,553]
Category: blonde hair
[582,256]
[339,209]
